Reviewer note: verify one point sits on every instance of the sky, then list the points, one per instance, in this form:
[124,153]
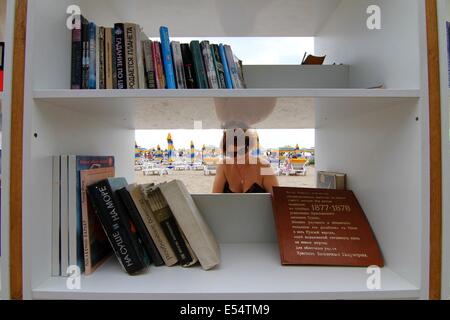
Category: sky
[288,50]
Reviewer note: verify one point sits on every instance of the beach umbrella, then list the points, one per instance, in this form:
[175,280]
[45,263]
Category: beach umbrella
[192,152]
[203,153]
[158,153]
[170,148]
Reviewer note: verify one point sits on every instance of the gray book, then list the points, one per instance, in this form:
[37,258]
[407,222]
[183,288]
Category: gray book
[178,64]
[209,65]
[191,222]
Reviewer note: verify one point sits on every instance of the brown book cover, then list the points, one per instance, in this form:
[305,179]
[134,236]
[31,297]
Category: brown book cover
[323,227]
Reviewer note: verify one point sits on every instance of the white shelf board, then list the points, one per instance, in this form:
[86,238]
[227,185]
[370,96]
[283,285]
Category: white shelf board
[178,109]
[235,93]
[248,271]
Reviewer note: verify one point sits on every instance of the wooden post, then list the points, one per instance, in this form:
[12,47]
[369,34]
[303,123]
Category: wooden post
[17,108]
[435,151]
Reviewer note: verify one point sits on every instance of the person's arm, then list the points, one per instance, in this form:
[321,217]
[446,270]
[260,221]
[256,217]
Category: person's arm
[220,179]
[269,178]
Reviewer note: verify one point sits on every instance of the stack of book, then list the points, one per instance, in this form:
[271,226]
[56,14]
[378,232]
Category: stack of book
[123,57]
[96,214]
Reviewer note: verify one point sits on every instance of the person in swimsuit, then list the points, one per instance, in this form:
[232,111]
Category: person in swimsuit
[241,172]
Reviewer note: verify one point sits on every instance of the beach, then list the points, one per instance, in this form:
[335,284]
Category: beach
[197,183]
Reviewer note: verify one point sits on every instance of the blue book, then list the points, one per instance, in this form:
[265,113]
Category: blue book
[92,56]
[223,57]
[76,165]
[167,58]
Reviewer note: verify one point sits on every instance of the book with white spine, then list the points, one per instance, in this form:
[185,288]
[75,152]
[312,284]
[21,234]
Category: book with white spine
[191,222]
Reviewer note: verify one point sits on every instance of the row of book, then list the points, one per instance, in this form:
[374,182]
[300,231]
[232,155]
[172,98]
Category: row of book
[95,214]
[123,57]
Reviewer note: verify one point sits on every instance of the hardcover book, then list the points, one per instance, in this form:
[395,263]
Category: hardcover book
[117,225]
[119,46]
[144,235]
[179,67]
[209,65]
[109,58]
[95,243]
[159,67]
[188,66]
[149,66]
[166,55]
[331,180]
[218,65]
[153,227]
[85,53]
[140,58]
[76,165]
[223,58]
[234,73]
[191,222]
[92,56]
[200,72]
[323,227]
[101,59]
[77,54]
[164,216]
[132,76]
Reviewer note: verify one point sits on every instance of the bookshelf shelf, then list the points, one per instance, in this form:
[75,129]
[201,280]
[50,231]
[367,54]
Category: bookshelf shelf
[43,94]
[178,109]
[243,275]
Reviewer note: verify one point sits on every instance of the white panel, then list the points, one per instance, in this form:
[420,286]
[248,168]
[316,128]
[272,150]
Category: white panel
[443,16]
[379,149]
[215,18]
[6,137]
[247,271]
[389,56]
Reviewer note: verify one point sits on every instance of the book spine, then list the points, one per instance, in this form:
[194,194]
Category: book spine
[178,62]
[114,59]
[149,66]
[200,73]
[160,79]
[64,216]
[140,59]
[77,55]
[92,56]
[85,57]
[85,222]
[169,225]
[108,59]
[147,241]
[56,219]
[72,201]
[232,67]
[131,56]
[167,58]
[153,227]
[223,58]
[240,69]
[209,65]
[188,66]
[119,37]
[111,216]
[101,58]
[218,66]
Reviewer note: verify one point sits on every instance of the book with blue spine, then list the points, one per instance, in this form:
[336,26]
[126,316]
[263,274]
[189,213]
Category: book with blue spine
[92,55]
[167,58]
[76,165]
[223,57]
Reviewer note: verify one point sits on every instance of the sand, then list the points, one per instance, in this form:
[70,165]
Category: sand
[197,183]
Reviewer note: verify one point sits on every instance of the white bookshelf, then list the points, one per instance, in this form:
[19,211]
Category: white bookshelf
[443,16]
[379,137]
[6,26]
